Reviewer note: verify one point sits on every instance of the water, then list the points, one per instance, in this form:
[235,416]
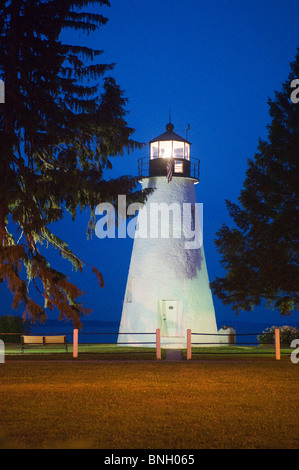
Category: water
[92,331]
[107,331]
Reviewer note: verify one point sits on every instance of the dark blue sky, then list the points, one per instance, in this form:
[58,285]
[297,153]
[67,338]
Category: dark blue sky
[214,63]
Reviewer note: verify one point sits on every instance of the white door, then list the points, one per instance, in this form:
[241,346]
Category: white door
[171,317]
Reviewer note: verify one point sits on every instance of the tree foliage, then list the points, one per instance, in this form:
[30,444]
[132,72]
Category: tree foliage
[260,253]
[62,122]
[11,324]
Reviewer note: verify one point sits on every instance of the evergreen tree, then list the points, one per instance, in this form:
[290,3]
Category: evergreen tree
[260,253]
[62,121]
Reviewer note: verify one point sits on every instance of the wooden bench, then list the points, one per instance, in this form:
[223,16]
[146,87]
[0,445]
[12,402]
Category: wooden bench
[43,341]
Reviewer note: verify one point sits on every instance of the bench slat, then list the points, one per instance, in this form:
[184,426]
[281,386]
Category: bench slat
[33,339]
[54,339]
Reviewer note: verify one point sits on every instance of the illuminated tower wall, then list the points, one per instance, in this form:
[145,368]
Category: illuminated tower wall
[168,284]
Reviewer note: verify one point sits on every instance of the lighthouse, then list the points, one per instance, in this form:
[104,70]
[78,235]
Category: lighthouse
[168,285]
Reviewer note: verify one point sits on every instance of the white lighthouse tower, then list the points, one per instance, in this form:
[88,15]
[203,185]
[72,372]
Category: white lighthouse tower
[168,284]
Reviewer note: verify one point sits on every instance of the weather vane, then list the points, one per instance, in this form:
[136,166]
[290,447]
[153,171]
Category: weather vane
[188,129]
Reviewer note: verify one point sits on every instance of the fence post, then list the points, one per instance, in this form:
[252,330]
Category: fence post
[158,343]
[189,344]
[75,342]
[277,344]
[2,352]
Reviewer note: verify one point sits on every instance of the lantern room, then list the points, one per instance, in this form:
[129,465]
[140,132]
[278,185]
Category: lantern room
[169,145]
[173,147]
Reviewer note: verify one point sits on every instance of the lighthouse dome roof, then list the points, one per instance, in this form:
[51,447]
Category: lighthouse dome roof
[169,135]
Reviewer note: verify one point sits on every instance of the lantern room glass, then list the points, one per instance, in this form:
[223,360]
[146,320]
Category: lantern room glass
[170,149]
[154,150]
[178,149]
[187,151]
[165,149]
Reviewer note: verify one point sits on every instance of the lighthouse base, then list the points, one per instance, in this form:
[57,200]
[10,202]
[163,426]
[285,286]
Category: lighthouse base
[170,342]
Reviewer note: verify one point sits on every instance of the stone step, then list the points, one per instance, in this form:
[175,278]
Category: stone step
[173,355]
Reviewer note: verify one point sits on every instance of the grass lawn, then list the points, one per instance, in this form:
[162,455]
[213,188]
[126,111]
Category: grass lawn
[116,352]
[244,402]
[85,351]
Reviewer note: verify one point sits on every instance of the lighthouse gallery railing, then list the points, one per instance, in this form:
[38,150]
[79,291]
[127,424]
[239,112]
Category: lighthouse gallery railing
[144,168]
